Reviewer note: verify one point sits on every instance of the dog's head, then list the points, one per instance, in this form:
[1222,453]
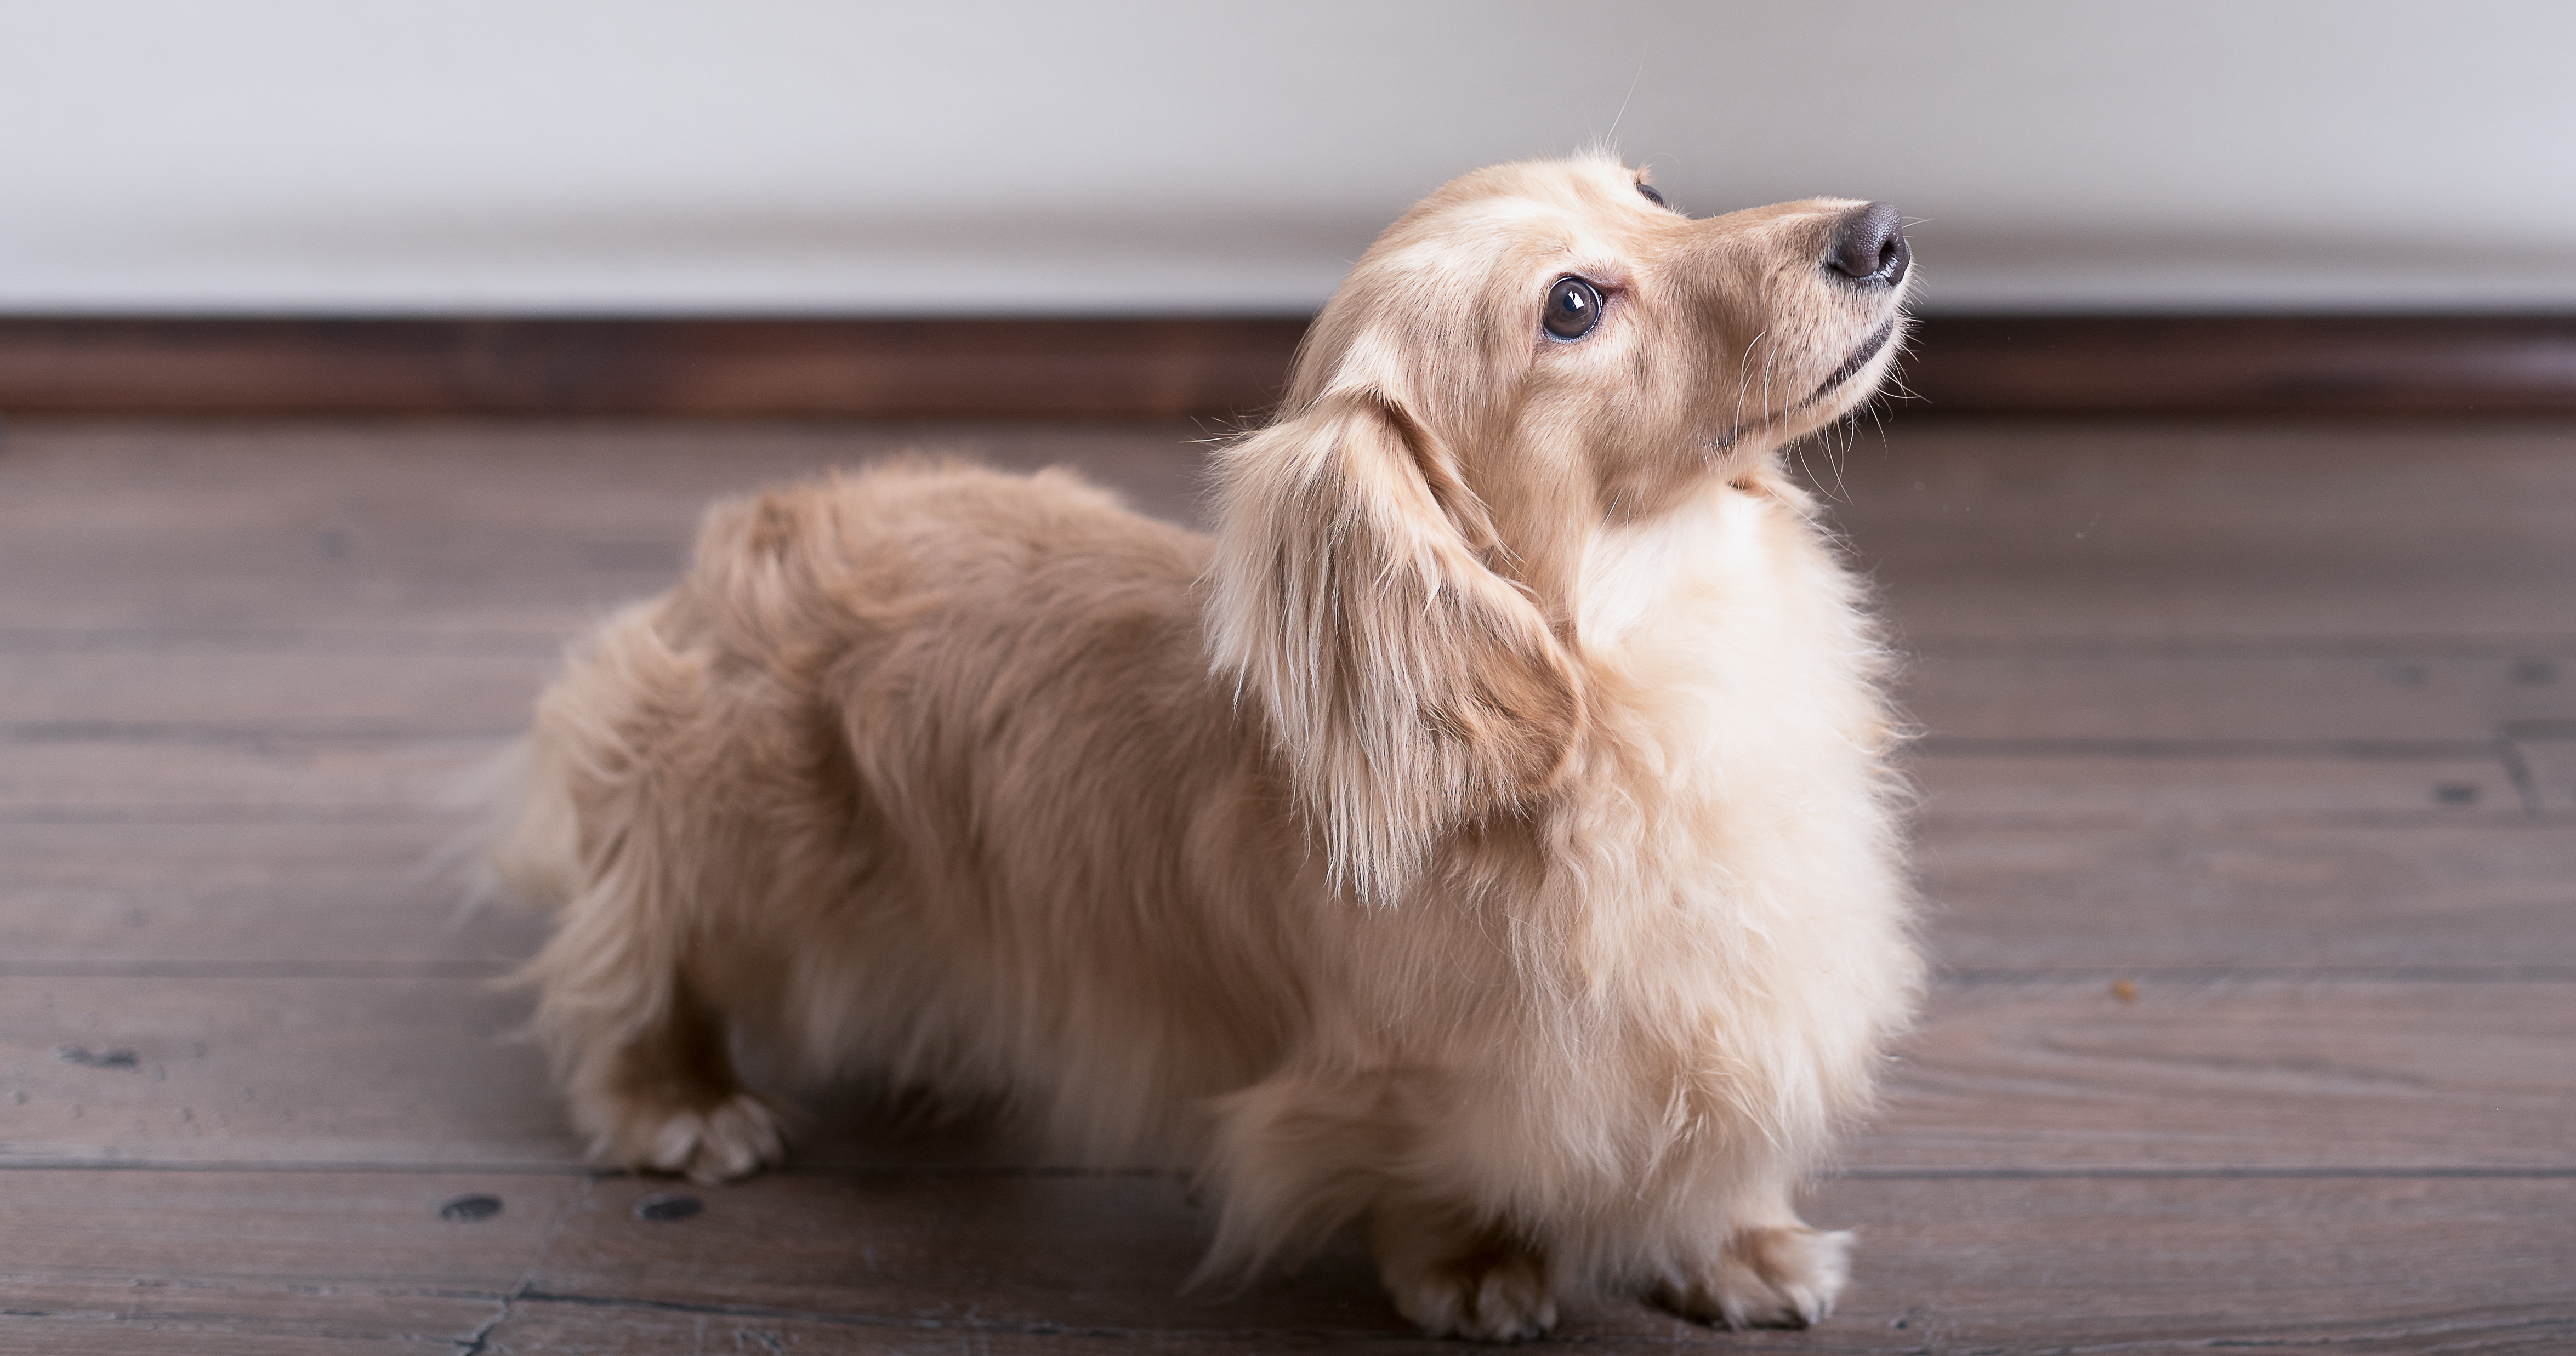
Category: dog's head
[1533,352]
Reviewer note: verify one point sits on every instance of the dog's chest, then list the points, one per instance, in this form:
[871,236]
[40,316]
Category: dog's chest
[1731,598]
[1731,657]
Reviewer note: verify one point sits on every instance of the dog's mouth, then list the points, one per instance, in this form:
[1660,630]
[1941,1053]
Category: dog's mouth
[1851,367]
[1859,359]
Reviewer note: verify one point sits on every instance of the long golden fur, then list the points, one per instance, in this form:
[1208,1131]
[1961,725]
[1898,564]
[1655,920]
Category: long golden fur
[1485,838]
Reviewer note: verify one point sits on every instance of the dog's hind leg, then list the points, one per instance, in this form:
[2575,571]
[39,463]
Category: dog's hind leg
[645,1060]
[667,1097]
[610,826]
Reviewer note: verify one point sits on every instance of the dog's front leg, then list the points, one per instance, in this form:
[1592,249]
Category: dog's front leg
[1459,1278]
[1774,1273]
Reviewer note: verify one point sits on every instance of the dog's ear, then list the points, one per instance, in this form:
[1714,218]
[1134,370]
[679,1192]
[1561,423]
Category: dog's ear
[1410,688]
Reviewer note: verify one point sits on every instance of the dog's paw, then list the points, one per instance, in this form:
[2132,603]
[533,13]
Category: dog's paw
[732,1138]
[1765,1278]
[1496,1296]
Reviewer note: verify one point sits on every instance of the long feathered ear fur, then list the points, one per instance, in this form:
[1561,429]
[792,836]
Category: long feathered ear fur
[1410,688]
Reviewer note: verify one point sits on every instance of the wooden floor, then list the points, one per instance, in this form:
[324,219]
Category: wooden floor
[2250,758]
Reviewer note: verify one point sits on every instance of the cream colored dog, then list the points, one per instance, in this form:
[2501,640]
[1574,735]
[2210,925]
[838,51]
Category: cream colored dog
[1486,838]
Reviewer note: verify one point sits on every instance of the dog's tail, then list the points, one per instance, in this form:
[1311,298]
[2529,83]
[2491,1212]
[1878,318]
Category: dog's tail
[523,842]
[523,846]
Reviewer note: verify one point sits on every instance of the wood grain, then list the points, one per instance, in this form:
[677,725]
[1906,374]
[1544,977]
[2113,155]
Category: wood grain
[490,536]
[1996,1265]
[145,1261]
[2395,703]
[2476,898]
[332,895]
[238,774]
[2326,535]
[2222,1072]
[145,1317]
[222,896]
[2380,701]
[2018,534]
[321,1070]
[170,1261]
[196,771]
[47,697]
[2183,786]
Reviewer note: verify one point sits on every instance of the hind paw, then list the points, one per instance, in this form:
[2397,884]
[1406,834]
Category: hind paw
[732,1138]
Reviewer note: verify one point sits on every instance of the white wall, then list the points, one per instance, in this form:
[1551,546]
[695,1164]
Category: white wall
[1137,156]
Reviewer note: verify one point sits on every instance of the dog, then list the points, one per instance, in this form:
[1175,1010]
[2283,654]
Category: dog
[1486,839]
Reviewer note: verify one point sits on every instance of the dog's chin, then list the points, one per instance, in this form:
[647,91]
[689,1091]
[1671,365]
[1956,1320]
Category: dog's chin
[1838,397]
[1878,343]
[1846,388]
[1860,380]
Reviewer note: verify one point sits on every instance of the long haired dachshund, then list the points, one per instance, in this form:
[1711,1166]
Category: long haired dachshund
[1486,838]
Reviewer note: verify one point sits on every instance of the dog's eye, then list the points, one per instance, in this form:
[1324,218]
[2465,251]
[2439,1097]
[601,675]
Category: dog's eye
[1647,191]
[1573,308]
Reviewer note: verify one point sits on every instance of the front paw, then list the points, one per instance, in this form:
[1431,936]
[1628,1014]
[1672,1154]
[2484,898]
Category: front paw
[731,1138]
[1460,1281]
[1492,1298]
[1765,1278]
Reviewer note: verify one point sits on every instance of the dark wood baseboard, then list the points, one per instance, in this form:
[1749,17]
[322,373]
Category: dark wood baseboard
[1224,367]
[752,367]
[2245,365]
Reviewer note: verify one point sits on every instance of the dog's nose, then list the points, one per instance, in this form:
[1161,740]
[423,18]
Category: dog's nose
[1869,246]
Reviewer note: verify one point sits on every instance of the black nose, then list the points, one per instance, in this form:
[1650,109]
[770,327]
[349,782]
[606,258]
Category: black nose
[1869,245]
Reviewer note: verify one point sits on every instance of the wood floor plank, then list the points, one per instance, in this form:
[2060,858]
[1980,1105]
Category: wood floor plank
[2195,1265]
[147,1318]
[2201,706]
[245,695]
[158,898]
[365,1230]
[144,1261]
[2032,697]
[2546,757]
[2487,894]
[2491,893]
[281,775]
[2230,1073]
[1945,1265]
[2178,489]
[345,1071]
[249,698]
[493,526]
[2037,694]
[318,852]
[1962,793]
[233,1261]
[262,776]
[2245,532]
[2020,531]
[2202,1073]
[319,898]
